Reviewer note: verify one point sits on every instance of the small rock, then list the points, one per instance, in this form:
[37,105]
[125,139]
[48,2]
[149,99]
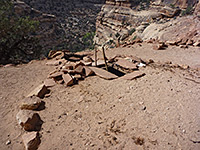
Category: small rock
[73,58]
[183,46]
[171,42]
[68,79]
[189,42]
[31,103]
[160,46]
[8,142]
[29,120]
[197,43]
[40,91]
[141,103]
[141,65]
[77,76]
[184,66]
[68,66]
[31,140]
[144,107]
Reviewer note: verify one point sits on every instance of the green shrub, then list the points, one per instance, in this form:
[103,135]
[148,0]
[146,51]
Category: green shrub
[172,6]
[188,11]
[131,31]
[88,40]
[16,42]
[134,37]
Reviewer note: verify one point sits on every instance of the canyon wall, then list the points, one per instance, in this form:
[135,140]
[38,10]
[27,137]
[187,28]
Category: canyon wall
[72,24]
[122,21]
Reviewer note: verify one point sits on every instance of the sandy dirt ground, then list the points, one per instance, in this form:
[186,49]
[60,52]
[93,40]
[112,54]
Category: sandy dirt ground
[159,111]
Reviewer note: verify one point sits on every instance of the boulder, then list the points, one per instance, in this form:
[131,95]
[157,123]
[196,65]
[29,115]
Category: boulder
[103,73]
[86,63]
[31,103]
[79,70]
[40,91]
[29,120]
[31,140]
[133,75]
[126,64]
[68,79]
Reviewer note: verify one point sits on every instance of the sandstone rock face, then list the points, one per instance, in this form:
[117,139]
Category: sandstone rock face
[181,3]
[31,140]
[178,32]
[118,23]
[29,120]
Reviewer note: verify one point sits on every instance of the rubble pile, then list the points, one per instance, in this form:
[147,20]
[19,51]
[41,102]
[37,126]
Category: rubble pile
[70,69]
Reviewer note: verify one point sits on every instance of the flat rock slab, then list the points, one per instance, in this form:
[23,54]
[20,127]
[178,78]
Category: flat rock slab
[126,64]
[68,79]
[55,74]
[133,75]
[103,73]
[40,91]
[31,103]
[49,83]
[29,120]
[31,140]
